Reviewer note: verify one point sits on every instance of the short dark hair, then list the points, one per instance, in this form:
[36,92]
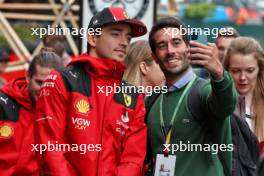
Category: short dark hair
[101,27]
[56,42]
[46,58]
[164,23]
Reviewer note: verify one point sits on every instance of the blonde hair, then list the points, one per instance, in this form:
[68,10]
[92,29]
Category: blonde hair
[245,46]
[139,52]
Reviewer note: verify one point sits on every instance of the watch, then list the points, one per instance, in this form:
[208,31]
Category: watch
[135,8]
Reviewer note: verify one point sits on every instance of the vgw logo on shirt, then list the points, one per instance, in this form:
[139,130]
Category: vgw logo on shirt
[80,123]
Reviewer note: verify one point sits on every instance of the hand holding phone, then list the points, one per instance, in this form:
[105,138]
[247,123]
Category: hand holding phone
[206,56]
[200,39]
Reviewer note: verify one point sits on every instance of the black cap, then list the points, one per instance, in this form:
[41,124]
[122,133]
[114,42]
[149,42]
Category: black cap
[112,15]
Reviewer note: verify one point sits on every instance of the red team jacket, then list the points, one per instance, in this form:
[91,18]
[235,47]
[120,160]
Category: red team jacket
[73,109]
[16,130]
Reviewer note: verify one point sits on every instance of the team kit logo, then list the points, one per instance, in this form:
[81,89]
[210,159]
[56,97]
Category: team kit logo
[82,107]
[123,123]
[127,100]
[6,131]
[125,14]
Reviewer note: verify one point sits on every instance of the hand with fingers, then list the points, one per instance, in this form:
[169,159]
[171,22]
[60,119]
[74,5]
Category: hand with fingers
[206,56]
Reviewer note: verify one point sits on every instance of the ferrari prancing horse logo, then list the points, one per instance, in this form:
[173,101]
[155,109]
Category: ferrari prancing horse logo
[127,99]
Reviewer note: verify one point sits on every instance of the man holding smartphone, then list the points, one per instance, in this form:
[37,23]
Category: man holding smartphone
[169,119]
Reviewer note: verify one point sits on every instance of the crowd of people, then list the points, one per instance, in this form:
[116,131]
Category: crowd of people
[58,120]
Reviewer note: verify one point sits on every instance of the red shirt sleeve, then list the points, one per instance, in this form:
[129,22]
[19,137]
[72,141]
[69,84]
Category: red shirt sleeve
[134,144]
[50,127]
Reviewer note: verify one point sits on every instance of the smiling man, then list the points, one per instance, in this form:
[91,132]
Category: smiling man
[169,118]
[74,111]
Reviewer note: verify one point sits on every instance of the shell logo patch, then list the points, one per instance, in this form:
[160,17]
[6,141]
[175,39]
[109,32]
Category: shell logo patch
[82,106]
[6,131]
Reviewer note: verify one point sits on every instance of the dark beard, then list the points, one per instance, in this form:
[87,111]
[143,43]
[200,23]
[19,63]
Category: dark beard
[177,73]
[172,74]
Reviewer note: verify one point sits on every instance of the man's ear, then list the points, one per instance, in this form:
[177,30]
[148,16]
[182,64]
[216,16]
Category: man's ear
[92,40]
[143,68]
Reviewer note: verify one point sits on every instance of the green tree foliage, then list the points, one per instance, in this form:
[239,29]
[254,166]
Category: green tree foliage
[199,10]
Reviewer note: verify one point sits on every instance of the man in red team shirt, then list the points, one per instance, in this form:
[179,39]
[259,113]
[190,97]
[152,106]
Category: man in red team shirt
[75,111]
[17,116]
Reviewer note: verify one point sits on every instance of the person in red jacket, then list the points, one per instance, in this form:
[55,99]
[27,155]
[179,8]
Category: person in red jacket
[83,127]
[17,113]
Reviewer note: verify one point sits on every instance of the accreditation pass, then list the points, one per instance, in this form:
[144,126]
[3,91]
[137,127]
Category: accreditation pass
[165,165]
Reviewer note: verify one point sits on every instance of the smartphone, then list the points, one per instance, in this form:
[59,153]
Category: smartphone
[201,38]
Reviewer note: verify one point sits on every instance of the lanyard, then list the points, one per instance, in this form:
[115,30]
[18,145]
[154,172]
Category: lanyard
[167,136]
